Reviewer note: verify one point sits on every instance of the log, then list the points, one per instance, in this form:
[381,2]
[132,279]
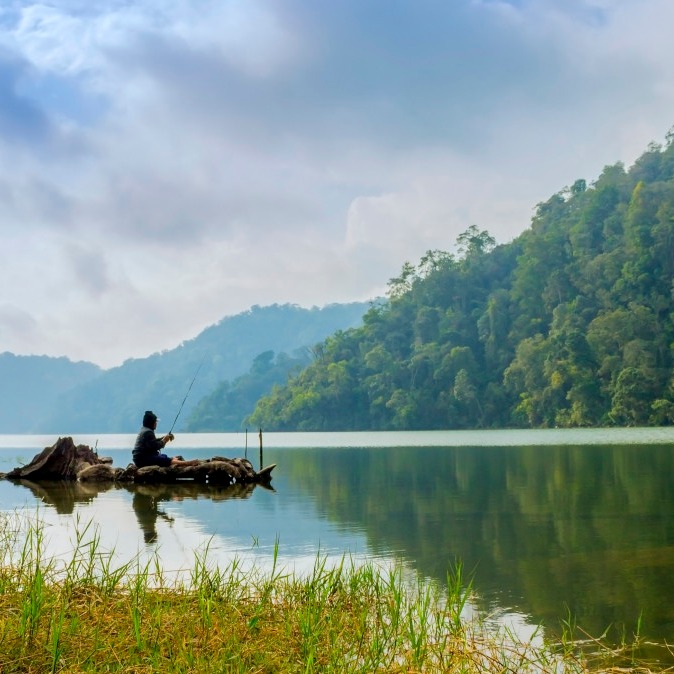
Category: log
[66,461]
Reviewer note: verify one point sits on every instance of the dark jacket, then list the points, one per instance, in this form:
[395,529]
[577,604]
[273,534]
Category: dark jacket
[147,446]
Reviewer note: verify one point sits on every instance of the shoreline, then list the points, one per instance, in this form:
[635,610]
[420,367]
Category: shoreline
[81,614]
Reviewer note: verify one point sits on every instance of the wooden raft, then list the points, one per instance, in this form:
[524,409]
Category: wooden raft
[66,461]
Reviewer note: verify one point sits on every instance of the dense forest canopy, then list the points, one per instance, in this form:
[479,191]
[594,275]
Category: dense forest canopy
[568,325]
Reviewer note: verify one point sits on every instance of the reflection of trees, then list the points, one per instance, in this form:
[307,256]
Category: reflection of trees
[544,528]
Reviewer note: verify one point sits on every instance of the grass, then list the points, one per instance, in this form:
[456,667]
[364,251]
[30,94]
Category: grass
[86,615]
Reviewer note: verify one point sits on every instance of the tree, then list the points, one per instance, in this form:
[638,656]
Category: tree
[475,242]
[570,324]
[631,402]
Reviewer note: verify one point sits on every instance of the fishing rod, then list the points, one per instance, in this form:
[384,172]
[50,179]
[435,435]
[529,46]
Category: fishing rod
[185,398]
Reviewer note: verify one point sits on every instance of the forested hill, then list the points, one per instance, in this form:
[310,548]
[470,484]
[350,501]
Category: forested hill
[568,325]
[114,402]
[54,395]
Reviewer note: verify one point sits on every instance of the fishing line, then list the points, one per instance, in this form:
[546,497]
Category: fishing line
[187,394]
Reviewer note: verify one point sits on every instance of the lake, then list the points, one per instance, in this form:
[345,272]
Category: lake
[546,522]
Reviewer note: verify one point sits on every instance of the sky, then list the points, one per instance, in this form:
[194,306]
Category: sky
[167,163]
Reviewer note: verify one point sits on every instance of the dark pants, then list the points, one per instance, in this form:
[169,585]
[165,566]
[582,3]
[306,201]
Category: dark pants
[157,460]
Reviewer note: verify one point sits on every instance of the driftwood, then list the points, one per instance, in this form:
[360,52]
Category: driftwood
[66,461]
[62,461]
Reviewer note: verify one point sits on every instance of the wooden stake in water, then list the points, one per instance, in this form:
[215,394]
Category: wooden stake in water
[261,449]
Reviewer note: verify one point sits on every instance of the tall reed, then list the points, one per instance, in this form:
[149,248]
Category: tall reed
[85,614]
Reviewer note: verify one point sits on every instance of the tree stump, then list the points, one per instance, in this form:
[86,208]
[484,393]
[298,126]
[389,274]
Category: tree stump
[62,461]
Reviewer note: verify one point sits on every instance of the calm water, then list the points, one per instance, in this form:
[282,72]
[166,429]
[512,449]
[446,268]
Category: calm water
[547,521]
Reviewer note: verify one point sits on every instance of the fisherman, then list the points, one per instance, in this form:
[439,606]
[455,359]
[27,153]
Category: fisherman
[148,448]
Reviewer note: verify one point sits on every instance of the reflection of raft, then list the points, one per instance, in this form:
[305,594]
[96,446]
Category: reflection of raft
[65,461]
[63,495]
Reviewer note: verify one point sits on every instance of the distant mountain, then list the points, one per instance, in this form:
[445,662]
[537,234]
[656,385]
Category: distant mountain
[229,405]
[81,398]
[30,387]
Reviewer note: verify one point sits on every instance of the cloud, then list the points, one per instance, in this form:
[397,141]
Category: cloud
[21,121]
[165,164]
[18,326]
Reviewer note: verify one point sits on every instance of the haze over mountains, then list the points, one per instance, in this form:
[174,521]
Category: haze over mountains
[570,324]
[39,394]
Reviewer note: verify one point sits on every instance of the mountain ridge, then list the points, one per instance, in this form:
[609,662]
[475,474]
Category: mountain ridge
[47,394]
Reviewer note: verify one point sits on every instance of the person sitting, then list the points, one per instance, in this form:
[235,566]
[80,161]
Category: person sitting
[148,448]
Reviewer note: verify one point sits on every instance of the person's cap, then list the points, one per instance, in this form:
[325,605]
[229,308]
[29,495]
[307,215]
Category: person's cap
[149,418]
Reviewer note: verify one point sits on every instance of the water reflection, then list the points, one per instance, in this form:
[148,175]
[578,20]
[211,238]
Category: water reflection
[146,507]
[545,529]
[146,500]
[252,524]
[64,495]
